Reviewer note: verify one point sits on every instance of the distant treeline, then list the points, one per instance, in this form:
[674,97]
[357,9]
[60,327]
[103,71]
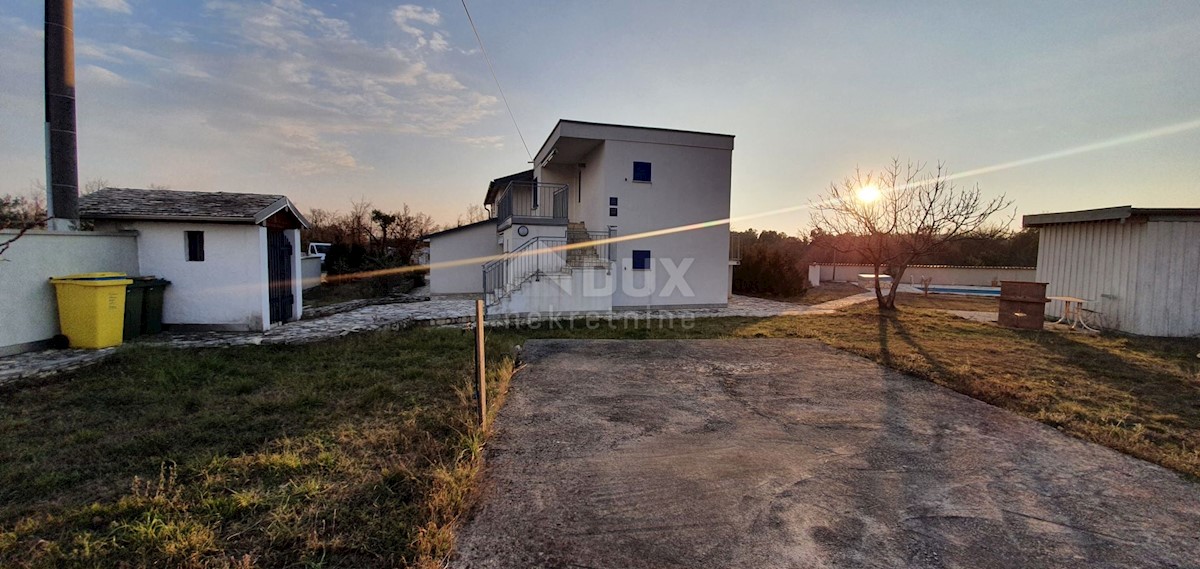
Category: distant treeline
[776,264]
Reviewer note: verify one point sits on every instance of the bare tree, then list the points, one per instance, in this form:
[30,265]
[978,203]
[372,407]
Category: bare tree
[359,224]
[410,229]
[474,213]
[94,185]
[903,214]
[20,214]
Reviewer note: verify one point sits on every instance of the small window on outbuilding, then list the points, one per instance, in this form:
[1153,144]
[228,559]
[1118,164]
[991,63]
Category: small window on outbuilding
[195,245]
[641,172]
[641,260]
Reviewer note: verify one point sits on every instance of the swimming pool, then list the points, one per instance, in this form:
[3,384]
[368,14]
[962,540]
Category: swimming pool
[968,290]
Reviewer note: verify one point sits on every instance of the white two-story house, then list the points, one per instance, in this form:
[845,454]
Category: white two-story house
[610,217]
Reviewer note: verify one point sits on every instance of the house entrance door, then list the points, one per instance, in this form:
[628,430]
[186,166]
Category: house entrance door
[279,273]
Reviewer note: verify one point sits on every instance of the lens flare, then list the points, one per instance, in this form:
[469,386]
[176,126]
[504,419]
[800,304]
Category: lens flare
[868,193]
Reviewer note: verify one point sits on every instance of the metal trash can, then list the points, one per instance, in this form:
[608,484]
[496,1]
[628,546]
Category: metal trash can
[91,308]
[1022,305]
[144,306]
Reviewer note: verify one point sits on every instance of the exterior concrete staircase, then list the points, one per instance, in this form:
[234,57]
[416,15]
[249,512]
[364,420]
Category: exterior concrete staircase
[583,256]
[539,276]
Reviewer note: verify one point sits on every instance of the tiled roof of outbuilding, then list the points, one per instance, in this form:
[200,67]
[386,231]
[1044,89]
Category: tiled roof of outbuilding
[130,203]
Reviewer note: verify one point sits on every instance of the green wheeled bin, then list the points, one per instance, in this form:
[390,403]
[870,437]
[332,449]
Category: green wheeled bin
[133,310]
[152,305]
[144,306]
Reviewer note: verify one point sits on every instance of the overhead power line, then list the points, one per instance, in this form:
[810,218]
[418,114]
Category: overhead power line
[496,79]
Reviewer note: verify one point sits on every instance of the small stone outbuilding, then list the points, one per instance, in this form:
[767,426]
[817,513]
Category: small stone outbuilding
[233,259]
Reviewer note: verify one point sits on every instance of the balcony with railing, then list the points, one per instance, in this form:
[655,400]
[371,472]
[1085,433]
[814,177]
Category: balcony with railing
[532,203]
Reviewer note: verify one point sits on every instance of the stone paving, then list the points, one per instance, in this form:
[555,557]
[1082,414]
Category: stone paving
[396,315]
[44,363]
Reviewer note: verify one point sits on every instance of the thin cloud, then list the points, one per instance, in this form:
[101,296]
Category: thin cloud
[305,85]
[406,15]
[96,75]
[111,5]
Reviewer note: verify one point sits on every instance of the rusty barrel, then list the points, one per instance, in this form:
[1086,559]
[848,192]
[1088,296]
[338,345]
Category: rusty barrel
[1022,304]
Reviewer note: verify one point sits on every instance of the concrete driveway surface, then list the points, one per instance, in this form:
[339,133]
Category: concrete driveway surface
[787,453]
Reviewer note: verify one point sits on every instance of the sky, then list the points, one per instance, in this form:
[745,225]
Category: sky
[329,102]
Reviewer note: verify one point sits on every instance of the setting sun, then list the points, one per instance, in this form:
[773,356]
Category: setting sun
[868,193]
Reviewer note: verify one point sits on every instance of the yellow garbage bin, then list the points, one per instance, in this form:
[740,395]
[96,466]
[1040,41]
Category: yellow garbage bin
[91,308]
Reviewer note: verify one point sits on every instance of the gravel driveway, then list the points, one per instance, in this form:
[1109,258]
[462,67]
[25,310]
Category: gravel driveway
[787,453]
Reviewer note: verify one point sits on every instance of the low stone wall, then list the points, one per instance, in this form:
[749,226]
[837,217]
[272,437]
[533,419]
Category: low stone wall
[28,305]
[940,274]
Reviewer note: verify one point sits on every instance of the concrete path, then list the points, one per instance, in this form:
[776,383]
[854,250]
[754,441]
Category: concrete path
[787,453]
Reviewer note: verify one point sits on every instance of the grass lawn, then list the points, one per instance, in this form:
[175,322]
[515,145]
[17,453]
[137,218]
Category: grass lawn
[355,453]
[359,452]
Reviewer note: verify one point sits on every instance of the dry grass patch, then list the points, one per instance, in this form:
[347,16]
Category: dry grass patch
[358,453]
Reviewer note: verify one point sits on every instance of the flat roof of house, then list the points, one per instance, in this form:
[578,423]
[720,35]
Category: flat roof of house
[584,130]
[177,205]
[1119,213]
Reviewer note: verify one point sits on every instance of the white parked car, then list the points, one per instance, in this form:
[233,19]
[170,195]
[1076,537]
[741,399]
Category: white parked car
[319,249]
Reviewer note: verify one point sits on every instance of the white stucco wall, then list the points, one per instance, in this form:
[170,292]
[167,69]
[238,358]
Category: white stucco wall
[688,185]
[28,306]
[941,275]
[297,273]
[581,291]
[227,290]
[467,243]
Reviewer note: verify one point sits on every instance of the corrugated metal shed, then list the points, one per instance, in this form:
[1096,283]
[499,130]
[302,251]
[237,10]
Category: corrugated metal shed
[1140,268]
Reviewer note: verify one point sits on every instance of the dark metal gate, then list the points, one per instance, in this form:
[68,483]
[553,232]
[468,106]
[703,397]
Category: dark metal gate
[279,271]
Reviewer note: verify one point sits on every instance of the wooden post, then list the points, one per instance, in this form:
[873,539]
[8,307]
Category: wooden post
[480,369]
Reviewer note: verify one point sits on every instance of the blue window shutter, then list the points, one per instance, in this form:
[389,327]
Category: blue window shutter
[641,260]
[641,171]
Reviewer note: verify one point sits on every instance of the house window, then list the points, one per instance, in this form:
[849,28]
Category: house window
[612,207]
[612,202]
[612,212]
[641,260]
[641,172]
[195,245]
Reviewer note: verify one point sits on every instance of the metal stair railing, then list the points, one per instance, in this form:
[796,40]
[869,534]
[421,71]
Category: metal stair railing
[538,256]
